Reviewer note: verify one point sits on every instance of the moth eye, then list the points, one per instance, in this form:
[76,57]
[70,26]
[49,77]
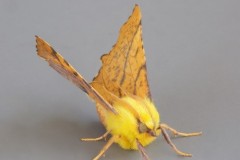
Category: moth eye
[142,128]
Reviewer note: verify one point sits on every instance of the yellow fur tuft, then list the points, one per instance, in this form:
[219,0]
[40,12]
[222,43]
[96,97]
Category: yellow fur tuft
[132,111]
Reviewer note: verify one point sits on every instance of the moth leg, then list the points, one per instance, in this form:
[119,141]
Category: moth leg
[104,136]
[142,151]
[177,133]
[167,138]
[105,148]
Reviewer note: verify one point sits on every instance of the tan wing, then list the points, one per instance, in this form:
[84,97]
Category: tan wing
[57,62]
[124,70]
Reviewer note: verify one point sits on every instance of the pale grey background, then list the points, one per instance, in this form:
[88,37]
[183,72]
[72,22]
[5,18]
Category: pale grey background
[192,50]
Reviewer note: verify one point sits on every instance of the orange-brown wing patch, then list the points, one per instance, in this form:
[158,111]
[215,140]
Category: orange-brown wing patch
[123,69]
[57,62]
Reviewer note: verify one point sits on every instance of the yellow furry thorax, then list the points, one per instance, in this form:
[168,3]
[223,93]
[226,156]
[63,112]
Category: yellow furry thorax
[132,112]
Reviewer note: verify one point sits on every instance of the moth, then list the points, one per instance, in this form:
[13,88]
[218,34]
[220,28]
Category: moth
[121,91]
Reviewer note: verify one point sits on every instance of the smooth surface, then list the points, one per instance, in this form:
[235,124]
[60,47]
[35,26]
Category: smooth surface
[193,60]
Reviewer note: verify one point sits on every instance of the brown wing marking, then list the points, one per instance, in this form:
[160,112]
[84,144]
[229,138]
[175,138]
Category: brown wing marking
[124,67]
[57,62]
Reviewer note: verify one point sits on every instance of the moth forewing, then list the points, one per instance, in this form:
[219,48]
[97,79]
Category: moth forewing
[57,62]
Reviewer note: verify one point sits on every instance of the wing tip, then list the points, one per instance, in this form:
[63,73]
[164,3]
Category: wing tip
[36,39]
[42,47]
[38,45]
[136,6]
[137,10]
